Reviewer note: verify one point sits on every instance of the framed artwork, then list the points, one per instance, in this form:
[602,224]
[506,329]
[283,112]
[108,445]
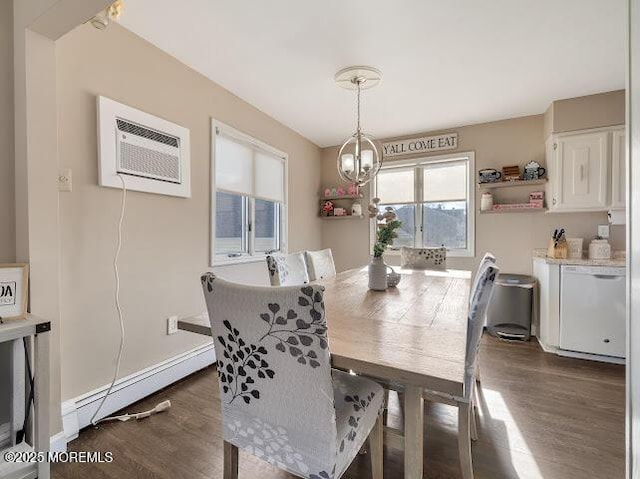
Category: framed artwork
[14,290]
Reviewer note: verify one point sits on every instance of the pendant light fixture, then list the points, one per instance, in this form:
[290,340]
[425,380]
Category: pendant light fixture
[359,159]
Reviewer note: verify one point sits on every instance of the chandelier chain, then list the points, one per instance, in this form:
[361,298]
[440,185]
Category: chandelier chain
[358,103]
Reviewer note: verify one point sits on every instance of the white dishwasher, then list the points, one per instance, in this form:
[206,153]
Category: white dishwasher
[592,310]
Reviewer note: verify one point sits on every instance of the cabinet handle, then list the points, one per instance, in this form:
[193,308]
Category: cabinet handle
[607,341]
[555,146]
[554,201]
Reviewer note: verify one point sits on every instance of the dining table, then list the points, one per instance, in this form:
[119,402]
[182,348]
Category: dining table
[409,338]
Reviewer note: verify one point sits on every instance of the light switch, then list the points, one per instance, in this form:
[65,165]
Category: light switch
[64,180]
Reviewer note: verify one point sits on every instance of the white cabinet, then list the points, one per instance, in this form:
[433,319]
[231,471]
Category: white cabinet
[586,170]
[618,169]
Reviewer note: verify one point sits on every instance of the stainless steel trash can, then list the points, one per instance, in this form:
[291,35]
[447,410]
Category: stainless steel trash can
[511,308]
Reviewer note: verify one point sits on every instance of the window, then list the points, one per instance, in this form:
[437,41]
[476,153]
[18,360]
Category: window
[434,200]
[249,182]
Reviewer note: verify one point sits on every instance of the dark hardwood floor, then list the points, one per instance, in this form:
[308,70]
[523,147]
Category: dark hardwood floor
[542,416]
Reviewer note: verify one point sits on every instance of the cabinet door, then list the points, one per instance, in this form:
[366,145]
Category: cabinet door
[583,173]
[618,169]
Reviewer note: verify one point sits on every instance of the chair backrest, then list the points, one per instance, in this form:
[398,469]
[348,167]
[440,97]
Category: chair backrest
[475,323]
[424,258]
[487,260]
[320,264]
[274,368]
[287,269]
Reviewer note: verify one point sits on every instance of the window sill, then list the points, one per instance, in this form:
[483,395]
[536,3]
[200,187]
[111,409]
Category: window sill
[242,260]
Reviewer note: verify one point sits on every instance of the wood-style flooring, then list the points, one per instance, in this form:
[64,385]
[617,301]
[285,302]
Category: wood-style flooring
[542,416]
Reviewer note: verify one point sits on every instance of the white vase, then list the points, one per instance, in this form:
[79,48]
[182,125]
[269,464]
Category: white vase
[377,274]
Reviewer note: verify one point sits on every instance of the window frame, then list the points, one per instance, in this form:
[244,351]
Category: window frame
[223,259]
[417,164]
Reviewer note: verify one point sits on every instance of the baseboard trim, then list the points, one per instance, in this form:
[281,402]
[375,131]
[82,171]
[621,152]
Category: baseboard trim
[77,412]
[58,443]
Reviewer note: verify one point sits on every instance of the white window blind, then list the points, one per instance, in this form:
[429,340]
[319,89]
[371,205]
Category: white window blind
[445,181]
[246,169]
[396,185]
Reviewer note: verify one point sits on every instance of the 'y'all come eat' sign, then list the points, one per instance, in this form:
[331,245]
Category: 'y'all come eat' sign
[420,145]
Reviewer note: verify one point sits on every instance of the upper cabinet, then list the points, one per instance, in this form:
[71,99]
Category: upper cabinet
[618,169]
[586,170]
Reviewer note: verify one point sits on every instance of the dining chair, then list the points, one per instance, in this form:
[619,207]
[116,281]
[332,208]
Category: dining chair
[320,264]
[281,401]
[423,258]
[467,420]
[487,260]
[287,269]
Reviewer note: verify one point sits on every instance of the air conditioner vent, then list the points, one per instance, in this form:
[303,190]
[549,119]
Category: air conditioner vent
[139,161]
[153,153]
[127,127]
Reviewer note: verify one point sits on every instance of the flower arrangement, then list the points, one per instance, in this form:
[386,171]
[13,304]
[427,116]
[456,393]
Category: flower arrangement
[387,226]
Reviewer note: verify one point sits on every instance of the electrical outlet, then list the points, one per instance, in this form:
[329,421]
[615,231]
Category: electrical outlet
[65,180]
[172,325]
[603,231]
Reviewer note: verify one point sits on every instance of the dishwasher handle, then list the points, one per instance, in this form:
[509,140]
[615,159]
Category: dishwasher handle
[607,276]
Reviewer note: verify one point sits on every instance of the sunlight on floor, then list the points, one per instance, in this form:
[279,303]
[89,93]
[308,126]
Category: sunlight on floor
[516,441]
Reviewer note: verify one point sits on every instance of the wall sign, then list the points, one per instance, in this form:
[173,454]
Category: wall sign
[14,288]
[425,144]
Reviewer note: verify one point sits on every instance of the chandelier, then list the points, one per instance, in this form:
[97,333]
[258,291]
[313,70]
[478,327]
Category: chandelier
[358,159]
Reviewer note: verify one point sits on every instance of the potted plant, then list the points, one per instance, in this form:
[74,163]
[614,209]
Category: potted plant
[386,232]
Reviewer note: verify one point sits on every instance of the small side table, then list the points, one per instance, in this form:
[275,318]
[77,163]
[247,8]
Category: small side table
[16,330]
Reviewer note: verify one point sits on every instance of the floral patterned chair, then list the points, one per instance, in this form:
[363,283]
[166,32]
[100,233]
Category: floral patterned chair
[287,269]
[424,258]
[320,264]
[280,399]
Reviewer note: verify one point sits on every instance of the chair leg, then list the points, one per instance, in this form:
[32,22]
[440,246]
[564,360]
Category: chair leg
[474,423]
[230,466]
[401,402]
[375,446]
[464,440]
[385,412]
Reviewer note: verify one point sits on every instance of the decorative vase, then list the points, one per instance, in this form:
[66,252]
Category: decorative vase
[377,274]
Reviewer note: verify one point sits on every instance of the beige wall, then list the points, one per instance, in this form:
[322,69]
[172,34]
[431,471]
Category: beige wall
[511,237]
[7,208]
[582,113]
[166,239]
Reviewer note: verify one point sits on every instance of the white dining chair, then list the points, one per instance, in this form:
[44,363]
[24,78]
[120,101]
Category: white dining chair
[280,399]
[320,264]
[467,420]
[487,260]
[287,269]
[423,258]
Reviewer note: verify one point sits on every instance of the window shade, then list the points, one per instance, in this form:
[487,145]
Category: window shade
[445,181]
[269,180]
[248,170]
[234,166]
[395,186]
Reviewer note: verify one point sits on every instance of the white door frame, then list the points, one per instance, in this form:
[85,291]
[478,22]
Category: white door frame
[633,241]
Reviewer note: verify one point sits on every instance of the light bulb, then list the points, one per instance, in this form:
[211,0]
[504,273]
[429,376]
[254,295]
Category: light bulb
[347,163]
[367,160]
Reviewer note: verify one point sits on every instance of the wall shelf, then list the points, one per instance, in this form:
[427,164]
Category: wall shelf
[343,197]
[346,217]
[502,184]
[514,210]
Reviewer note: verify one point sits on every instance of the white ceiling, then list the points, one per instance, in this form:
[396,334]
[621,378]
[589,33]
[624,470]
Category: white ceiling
[445,63]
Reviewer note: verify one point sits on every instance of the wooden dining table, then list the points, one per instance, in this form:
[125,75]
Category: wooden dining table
[410,338]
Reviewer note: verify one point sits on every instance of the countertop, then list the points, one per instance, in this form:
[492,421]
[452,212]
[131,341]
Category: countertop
[618,259]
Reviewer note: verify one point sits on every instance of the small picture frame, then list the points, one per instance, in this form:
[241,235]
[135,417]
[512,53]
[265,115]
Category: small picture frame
[14,291]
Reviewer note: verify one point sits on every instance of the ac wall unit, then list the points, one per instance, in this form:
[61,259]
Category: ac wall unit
[151,153]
